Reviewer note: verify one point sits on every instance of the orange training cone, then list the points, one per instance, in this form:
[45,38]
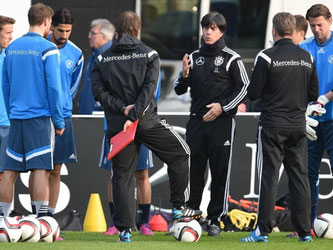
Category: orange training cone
[95,219]
[158,223]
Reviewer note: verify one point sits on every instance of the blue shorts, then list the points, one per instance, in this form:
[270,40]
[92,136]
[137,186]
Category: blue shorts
[316,150]
[30,144]
[64,148]
[4,132]
[145,157]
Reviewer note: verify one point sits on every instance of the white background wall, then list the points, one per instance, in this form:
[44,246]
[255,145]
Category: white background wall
[17,9]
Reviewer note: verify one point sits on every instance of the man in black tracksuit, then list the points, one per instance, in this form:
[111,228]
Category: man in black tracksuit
[124,80]
[218,82]
[284,78]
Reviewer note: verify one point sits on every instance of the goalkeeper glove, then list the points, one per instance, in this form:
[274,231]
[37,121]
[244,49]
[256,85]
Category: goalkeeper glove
[310,132]
[317,107]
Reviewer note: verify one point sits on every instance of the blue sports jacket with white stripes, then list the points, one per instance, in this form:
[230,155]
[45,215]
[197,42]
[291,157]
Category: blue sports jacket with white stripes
[31,79]
[323,55]
[71,65]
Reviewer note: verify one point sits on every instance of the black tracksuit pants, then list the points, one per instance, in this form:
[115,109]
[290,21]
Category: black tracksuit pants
[210,141]
[287,146]
[167,145]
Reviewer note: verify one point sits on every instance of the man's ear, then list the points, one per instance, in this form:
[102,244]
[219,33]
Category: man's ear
[46,20]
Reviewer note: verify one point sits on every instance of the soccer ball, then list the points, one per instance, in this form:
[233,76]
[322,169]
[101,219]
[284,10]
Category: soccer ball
[10,230]
[30,229]
[49,229]
[17,217]
[187,231]
[323,226]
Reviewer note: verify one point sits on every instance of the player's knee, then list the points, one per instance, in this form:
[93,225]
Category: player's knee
[141,175]
[55,173]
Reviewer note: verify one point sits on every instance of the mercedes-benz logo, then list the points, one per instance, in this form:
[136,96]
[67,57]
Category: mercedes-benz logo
[200,60]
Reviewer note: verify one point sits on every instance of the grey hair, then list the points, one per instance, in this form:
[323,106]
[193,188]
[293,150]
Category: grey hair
[106,29]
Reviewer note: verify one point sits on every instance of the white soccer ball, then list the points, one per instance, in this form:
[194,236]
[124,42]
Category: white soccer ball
[17,217]
[187,231]
[323,226]
[49,229]
[10,230]
[30,229]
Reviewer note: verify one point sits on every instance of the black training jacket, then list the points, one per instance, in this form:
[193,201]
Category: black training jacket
[285,79]
[125,74]
[217,75]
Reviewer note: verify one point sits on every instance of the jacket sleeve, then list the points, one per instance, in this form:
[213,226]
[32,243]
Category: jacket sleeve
[76,76]
[5,86]
[157,92]
[53,80]
[148,87]
[313,90]
[239,76]
[181,84]
[259,76]
[101,94]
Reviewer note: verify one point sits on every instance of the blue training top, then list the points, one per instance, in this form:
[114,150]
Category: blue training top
[71,65]
[323,55]
[87,103]
[4,121]
[31,79]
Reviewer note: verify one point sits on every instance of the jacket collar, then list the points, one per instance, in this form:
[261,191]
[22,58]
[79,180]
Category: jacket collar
[283,41]
[212,49]
[103,48]
[125,43]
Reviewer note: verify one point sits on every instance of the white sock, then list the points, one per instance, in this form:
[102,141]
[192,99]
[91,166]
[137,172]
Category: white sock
[5,208]
[257,232]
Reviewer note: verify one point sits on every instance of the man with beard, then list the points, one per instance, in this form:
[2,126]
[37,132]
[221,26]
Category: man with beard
[320,46]
[71,65]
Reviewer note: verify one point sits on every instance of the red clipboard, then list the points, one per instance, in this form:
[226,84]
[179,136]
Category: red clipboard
[121,140]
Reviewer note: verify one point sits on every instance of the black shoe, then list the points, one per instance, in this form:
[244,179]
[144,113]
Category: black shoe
[214,230]
[185,213]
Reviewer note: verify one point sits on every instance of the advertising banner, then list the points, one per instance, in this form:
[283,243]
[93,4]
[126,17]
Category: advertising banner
[79,180]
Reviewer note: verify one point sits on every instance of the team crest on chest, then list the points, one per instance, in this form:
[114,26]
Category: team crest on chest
[218,60]
[200,61]
[330,59]
[69,64]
